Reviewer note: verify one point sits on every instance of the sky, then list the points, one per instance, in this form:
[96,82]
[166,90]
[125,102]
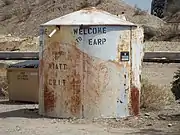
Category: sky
[143,4]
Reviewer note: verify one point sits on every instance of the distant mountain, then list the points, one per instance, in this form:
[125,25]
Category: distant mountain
[23,17]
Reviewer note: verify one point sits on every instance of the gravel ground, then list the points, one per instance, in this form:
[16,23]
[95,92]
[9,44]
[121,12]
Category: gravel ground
[17,119]
[160,74]
[162,46]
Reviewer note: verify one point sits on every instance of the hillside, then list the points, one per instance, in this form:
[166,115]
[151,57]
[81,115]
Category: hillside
[173,11]
[23,18]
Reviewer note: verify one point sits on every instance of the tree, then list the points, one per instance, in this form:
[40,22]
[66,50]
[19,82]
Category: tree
[176,85]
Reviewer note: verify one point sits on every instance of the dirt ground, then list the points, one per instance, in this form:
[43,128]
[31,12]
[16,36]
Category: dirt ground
[16,119]
[19,118]
[160,74]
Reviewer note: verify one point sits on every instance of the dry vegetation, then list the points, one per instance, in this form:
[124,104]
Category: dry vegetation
[176,85]
[154,97]
[138,11]
[3,83]
[7,2]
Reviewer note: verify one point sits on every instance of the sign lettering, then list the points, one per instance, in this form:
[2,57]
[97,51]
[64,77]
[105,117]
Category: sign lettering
[57,82]
[97,41]
[79,39]
[22,76]
[91,31]
[58,54]
[95,30]
[57,66]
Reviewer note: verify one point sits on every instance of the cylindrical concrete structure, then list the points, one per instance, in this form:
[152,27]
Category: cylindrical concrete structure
[86,66]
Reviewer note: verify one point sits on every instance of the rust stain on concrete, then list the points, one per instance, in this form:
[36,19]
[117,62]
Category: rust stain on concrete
[75,98]
[49,99]
[135,109]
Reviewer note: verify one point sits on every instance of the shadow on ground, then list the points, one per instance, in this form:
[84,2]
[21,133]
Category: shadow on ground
[22,113]
[173,117]
[7,102]
[153,132]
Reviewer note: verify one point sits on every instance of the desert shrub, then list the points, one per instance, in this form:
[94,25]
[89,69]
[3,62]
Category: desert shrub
[166,32]
[83,4]
[28,7]
[176,85]
[6,16]
[7,2]
[154,97]
[3,83]
[22,12]
[138,11]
